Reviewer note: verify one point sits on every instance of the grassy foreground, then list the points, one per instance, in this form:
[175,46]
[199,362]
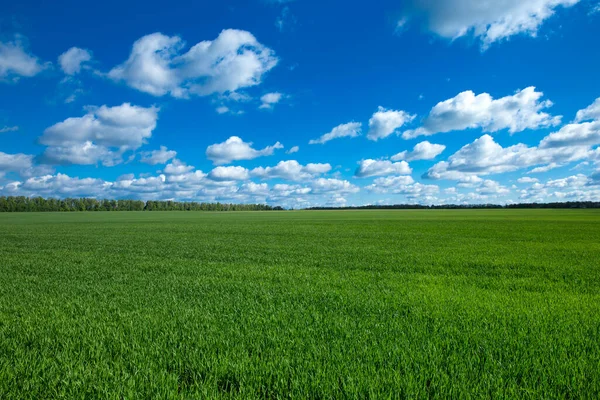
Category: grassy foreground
[306,304]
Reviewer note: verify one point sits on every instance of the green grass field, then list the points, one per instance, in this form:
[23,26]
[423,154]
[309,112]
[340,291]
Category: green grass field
[305,304]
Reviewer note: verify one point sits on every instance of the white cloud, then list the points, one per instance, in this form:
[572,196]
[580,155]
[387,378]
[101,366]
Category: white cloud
[229,174]
[368,168]
[405,186]
[573,188]
[95,136]
[527,179]
[9,129]
[222,110]
[582,134]
[545,168]
[61,185]
[293,150]
[16,61]
[291,170]
[592,112]
[177,167]
[161,156]
[323,185]
[351,129]
[270,99]
[488,20]
[71,60]
[14,162]
[421,151]
[234,149]
[469,111]
[234,60]
[385,122]
[491,188]
[484,156]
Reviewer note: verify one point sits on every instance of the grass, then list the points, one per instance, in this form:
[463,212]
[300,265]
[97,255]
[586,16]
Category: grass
[336,304]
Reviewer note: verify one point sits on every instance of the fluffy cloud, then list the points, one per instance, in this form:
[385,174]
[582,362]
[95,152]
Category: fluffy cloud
[351,129]
[270,99]
[573,188]
[491,188]
[177,167]
[229,174]
[469,111]
[527,179]
[156,65]
[71,60]
[421,151]
[14,162]
[488,20]
[323,185]
[291,170]
[59,185]
[16,61]
[368,168]
[582,134]
[385,122]
[293,150]
[484,156]
[234,149]
[160,156]
[91,139]
[592,112]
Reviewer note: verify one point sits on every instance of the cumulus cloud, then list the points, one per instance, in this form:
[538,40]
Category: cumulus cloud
[323,185]
[16,61]
[488,20]
[177,167]
[102,135]
[385,122]
[491,188]
[160,156]
[229,174]
[527,179]
[582,134]
[270,99]
[368,168]
[71,60]
[469,111]
[592,112]
[291,170]
[59,185]
[351,129]
[235,148]
[14,162]
[572,188]
[421,151]
[484,156]
[404,185]
[234,60]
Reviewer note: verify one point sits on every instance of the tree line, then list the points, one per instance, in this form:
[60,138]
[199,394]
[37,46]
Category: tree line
[36,204]
[568,204]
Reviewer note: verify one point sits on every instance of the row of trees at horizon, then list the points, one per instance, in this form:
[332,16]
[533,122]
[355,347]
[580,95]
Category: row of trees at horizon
[36,204]
[568,204]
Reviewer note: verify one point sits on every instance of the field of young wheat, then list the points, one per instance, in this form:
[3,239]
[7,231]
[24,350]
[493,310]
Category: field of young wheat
[303,304]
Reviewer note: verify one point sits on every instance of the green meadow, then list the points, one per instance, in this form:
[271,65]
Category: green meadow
[300,304]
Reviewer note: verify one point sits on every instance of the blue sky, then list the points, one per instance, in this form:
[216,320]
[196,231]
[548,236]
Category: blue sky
[302,103]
